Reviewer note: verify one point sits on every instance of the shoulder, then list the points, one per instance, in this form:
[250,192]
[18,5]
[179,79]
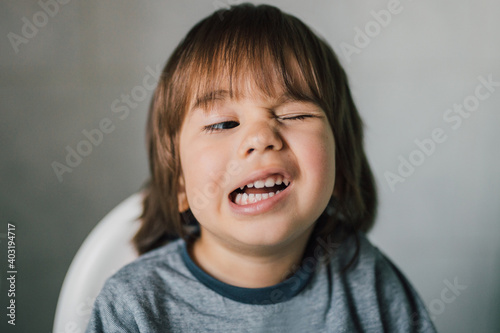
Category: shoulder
[376,286]
[358,256]
[371,267]
[122,300]
[152,269]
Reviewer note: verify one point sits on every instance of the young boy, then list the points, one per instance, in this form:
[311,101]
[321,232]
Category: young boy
[259,196]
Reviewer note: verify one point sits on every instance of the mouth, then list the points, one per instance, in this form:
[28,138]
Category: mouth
[259,189]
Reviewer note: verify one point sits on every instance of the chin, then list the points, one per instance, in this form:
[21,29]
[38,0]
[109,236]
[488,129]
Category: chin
[270,236]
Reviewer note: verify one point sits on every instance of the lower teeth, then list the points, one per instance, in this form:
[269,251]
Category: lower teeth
[245,199]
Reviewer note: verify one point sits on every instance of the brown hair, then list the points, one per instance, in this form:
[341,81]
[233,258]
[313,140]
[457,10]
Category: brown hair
[278,51]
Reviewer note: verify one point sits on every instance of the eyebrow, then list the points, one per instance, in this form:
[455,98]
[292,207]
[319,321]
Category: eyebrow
[218,96]
[210,97]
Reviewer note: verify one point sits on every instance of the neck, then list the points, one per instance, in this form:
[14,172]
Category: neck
[248,269]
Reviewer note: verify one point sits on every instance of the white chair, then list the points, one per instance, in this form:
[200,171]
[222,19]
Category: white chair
[104,251]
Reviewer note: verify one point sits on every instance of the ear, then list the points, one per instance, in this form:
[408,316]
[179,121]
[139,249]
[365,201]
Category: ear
[181,195]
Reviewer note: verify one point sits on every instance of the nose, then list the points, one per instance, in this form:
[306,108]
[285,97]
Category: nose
[261,137]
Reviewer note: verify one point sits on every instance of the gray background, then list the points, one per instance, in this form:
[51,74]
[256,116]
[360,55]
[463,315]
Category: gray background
[441,224]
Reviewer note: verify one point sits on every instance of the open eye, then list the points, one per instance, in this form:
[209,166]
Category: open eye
[220,126]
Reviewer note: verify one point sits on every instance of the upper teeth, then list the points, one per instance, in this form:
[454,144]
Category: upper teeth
[268,182]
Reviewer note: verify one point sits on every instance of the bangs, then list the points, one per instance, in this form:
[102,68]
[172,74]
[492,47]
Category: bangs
[251,54]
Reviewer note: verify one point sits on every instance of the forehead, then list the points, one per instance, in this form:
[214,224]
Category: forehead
[219,97]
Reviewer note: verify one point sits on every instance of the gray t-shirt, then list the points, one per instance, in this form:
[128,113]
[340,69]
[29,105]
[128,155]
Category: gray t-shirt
[165,291]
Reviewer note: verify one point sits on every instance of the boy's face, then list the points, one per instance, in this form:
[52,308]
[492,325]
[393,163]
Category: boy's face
[260,142]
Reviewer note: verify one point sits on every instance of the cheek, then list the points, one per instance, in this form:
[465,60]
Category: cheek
[317,156]
[203,167]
